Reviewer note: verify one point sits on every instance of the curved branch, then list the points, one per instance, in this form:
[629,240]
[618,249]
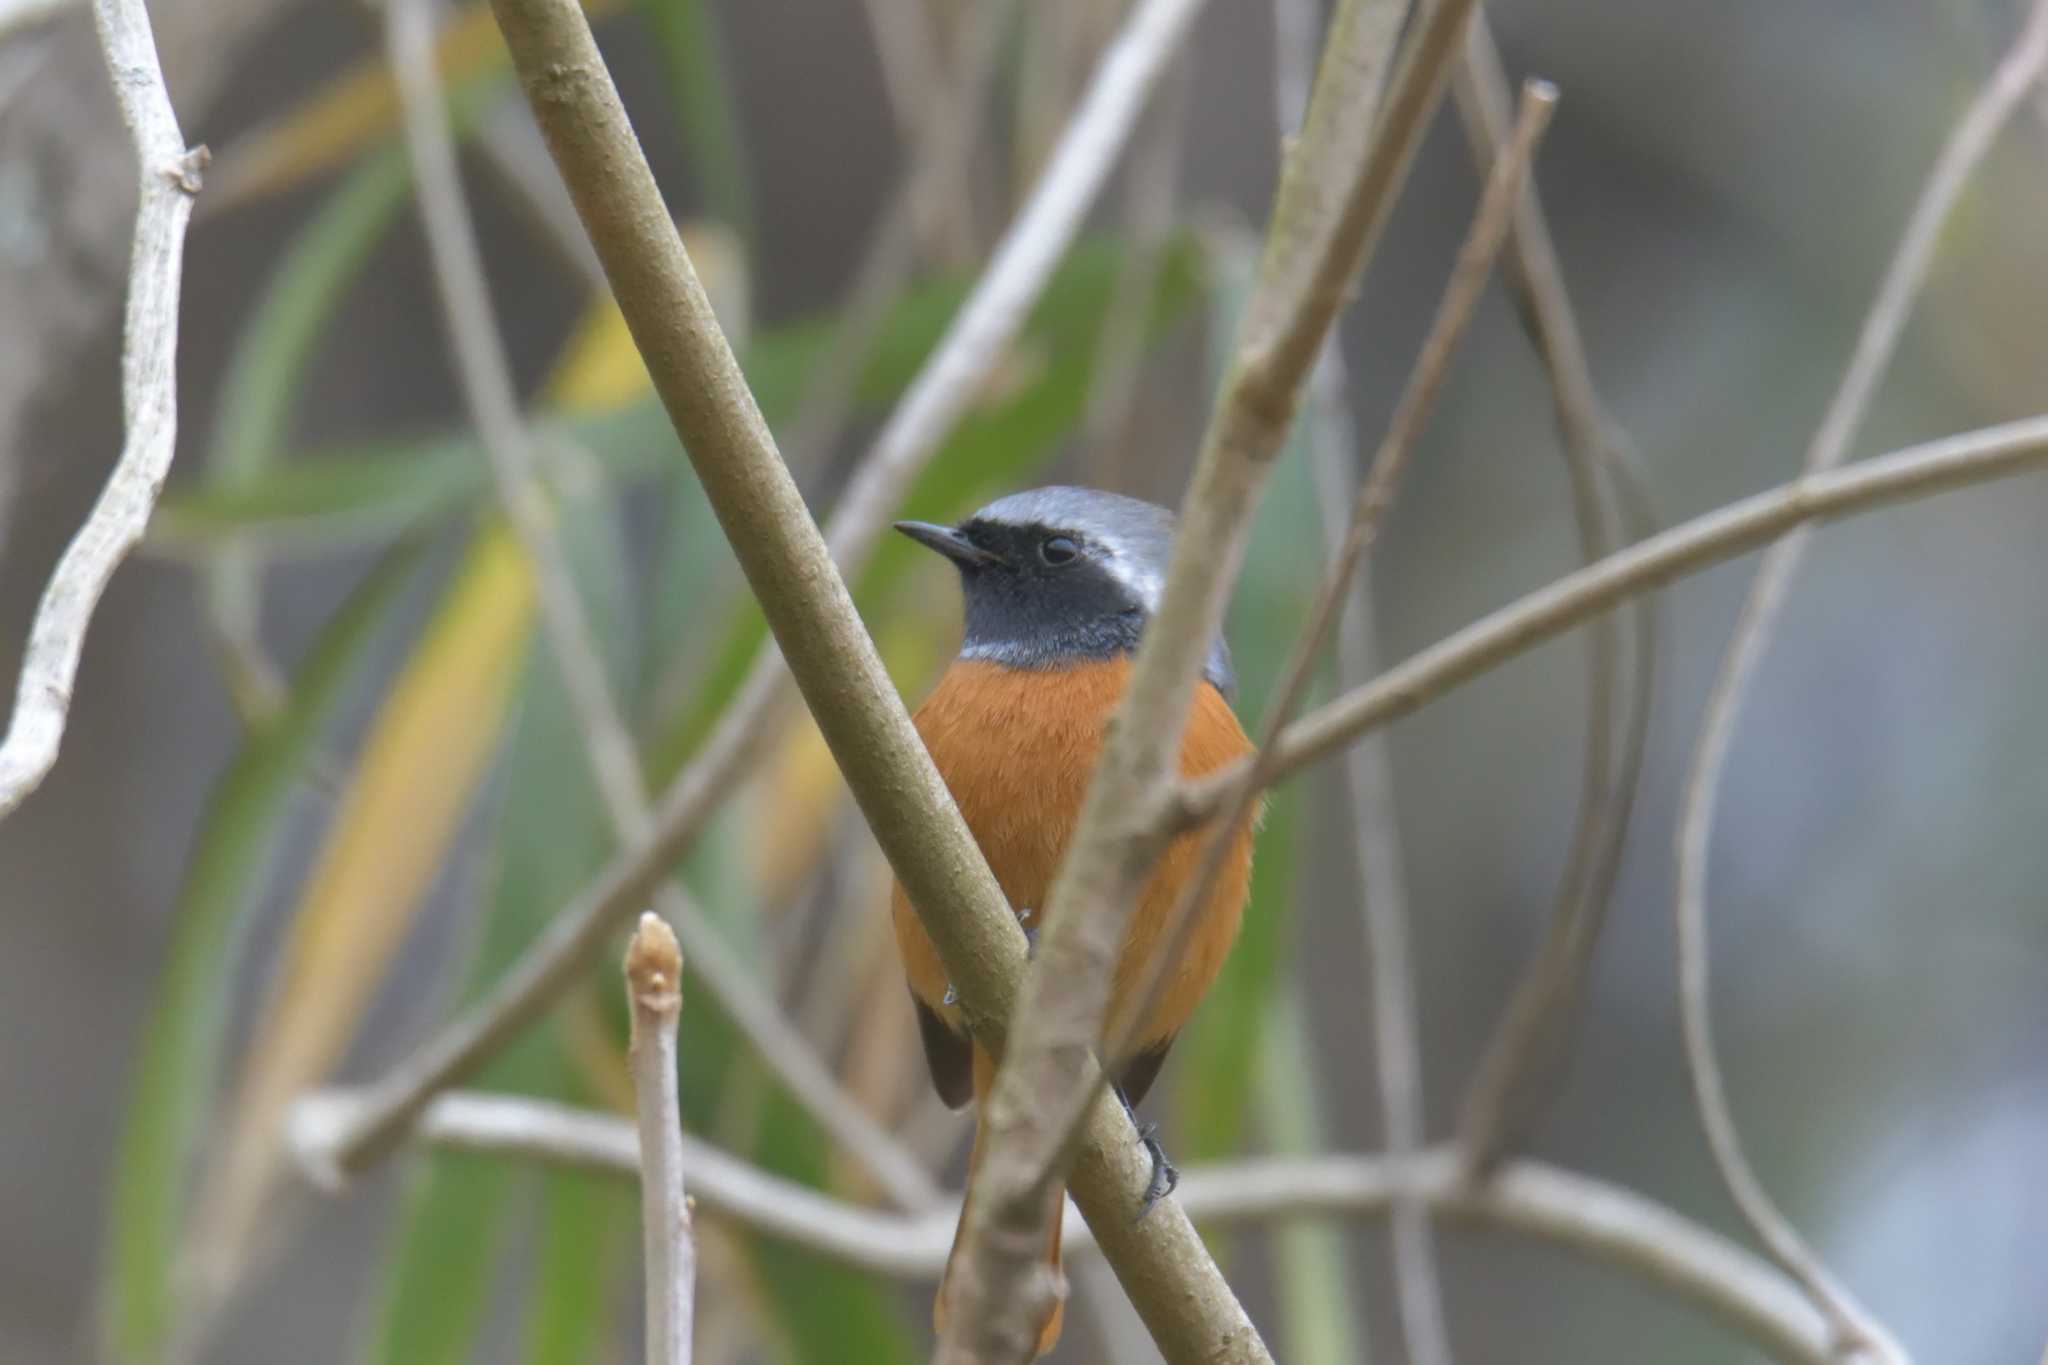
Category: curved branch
[1599,1220]
[1966,147]
[149,399]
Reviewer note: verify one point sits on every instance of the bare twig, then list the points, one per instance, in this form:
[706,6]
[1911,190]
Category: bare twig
[1369,776]
[791,571]
[1337,185]
[1966,147]
[1418,398]
[945,386]
[487,386]
[654,981]
[1604,1222]
[170,175]
[1915,472]
[1513,1079]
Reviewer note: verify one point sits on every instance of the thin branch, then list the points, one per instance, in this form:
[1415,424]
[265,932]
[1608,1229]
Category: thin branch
[1513,1078]
[1967,145]
[1369,780]
[169,179]
[1474,265]
[1602,1221]
[1337,186]
[945,386]
[1915,472]
[791,571]
[654,979]
[487,387]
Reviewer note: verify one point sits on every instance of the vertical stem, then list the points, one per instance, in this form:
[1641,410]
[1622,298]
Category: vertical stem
[654,974]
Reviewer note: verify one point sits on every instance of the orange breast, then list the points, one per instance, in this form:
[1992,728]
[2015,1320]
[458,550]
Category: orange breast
[1017,748]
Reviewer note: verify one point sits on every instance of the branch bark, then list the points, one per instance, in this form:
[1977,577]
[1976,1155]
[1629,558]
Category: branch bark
[1336,188]
[486,380]
[1517,1073]
[973,343]
[791,571]
[1601,1221]
[1965,149]
[654,979]
[170,177]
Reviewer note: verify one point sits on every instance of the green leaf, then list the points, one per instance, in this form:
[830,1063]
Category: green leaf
[587,1223]
[263,376]
[346,495]
[686,31]
[1320,1321]
[551,837]
[176,1069]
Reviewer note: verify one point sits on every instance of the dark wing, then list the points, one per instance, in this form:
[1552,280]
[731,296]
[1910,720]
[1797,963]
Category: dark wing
[949,1056]
[1143,1069]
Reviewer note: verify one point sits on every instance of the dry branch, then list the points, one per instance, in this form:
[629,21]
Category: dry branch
[1601,1221]
[1517,1072]
[973,343]
[1959,158]
[791,571]
[1915,472]
[170,174]
[486,381]
[1337,186]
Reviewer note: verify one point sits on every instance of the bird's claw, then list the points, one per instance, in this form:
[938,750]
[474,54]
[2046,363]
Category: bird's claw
[1165,1175]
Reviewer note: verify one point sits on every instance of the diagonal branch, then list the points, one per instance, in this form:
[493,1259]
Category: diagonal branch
[790,568]
[972,344]
[149,399]
[1593,1218]
[486,379]
[1517,1071]
[1337,186]
[1966,147]
[1918,471]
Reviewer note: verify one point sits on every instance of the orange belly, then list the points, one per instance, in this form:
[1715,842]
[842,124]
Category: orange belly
[1017,748]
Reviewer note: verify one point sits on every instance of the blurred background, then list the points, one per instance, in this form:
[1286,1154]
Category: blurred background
[320,783]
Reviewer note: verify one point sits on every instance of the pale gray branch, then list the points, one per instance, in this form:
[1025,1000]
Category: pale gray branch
[1337,185]
[1918,471]
[149,399]
[791,570]
[1604,1222]
[1965,149]
[1516,1073]
[973,343]
[486,379]
[1369,777]
[654,980]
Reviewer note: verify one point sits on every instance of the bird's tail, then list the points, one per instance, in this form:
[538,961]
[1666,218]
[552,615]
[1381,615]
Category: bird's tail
[1049,1330]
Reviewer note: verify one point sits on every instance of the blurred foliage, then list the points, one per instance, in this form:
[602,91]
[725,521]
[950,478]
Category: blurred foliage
[176,1070]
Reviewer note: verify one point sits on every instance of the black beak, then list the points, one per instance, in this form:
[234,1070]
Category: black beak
[949,543]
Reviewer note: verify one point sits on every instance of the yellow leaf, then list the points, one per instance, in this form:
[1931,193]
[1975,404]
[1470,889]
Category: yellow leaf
[418,768]
[351,111]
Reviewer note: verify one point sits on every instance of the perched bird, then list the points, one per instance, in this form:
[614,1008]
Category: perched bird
[1059,584]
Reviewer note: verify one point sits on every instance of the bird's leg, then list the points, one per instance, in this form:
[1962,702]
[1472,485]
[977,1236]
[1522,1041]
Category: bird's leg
[1165,1175]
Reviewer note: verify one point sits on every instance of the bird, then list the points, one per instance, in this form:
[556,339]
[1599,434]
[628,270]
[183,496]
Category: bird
[1059,584]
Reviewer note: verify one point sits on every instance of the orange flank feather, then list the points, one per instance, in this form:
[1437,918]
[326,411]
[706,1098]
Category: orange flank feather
[1017,748]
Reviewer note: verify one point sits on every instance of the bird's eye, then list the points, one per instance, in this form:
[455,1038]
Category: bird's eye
[1058,550]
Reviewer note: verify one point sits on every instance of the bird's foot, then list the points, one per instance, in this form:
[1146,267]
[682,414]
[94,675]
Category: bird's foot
[1165,1175]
